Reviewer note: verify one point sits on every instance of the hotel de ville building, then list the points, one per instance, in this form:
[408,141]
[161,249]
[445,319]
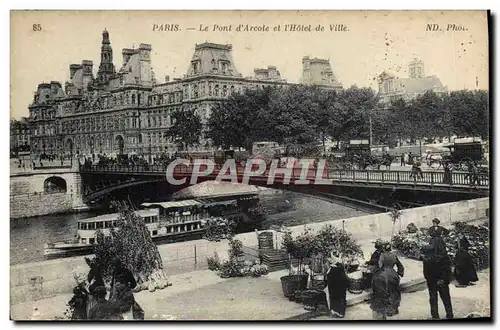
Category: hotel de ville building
[126,111]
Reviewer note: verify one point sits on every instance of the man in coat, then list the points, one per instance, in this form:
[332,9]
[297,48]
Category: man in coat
[437,273]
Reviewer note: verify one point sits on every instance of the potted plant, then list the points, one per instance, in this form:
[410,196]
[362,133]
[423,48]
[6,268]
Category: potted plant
[236,250]
[299,248]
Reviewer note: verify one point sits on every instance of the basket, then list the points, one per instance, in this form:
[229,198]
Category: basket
[313,298]
[292,283]
[356,285]
[318,284]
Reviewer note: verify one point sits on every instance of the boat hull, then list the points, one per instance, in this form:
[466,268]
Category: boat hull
[65,249]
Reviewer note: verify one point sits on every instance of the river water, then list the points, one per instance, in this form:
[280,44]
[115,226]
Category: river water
[28,235]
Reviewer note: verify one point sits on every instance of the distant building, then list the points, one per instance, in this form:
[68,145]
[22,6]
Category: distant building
[318,72]
[391,87]
[270,74]
[127,111]
[19,135]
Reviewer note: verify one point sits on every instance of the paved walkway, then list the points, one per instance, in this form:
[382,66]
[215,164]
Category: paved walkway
[415,305]
[202,295]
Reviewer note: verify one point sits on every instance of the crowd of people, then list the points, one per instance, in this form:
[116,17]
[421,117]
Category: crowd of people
[387,270]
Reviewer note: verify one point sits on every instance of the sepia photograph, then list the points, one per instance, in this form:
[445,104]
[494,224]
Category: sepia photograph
[250,165]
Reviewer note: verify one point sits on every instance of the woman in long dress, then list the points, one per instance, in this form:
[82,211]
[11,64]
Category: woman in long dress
[122,284]
[337,284]
[385,285]
[465,271]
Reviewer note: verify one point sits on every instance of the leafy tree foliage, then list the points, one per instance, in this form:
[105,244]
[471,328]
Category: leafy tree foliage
[309,115]
[131,243]
[186,127]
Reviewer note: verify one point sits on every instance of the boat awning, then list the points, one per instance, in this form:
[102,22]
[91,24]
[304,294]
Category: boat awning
[147,213]
[104,217]
[167,205]
[212,202]
[116,216]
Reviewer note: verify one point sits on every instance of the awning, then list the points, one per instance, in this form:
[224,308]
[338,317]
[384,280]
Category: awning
[147,213]
[212,202]
[167,205]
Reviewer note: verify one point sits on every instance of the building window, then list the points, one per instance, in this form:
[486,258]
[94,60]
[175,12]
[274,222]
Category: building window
[216,90]
[133,98]
[214,66]
[195,91]
[224,91]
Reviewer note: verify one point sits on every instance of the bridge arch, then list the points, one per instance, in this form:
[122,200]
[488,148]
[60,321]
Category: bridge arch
[55,184]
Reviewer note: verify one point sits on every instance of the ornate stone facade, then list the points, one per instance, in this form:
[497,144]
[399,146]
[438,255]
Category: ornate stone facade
[127,111]
[316,71]
[19,135]
[392,87]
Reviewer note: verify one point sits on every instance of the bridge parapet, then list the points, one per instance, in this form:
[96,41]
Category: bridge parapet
[317,176]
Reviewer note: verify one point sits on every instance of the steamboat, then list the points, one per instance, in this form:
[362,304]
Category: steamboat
[166,222]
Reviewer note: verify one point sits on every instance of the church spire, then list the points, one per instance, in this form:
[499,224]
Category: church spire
[106,68]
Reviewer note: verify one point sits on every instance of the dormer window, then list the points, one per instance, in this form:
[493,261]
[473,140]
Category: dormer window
[196,67]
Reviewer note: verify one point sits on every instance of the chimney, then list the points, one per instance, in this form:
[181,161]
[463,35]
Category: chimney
[127,53]
[87,67]
[167,78]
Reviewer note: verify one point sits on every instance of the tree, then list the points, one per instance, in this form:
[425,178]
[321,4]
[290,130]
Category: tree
[294,112]
[132,244]
[468,112]
[428,116]
[186,127]
[241,119]
[350,113]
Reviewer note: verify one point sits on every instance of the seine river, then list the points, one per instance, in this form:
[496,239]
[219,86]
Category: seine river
[28,236]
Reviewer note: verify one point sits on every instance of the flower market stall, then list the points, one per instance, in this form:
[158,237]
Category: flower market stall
[411,242]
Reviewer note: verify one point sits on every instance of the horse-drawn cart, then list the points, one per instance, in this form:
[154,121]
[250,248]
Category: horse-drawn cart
[464,151]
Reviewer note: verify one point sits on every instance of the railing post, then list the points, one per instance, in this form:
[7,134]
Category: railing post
[397,177]
[432,178]
[353,175]
[382,176]
[367,176]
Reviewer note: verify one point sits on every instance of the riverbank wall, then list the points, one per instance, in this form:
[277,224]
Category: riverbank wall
[30,197]
[34,281]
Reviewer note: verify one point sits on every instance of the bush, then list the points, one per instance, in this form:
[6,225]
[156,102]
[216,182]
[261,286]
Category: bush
[132,244]
[235,248]
[213,263]
[478,237]
[217,229]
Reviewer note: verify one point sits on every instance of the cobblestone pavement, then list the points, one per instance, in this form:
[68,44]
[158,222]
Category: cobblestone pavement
[415,305]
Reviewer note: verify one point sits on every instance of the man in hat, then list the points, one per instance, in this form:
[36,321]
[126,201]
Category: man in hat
[437,232]
[437,273]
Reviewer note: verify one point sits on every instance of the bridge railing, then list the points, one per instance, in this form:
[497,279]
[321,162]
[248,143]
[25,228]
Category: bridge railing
[366,176]
[402,177]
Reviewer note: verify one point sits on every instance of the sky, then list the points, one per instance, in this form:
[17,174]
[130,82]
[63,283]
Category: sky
[375,41]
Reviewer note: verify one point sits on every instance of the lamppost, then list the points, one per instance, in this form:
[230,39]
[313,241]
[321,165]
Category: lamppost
[150,160]
[371,127]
